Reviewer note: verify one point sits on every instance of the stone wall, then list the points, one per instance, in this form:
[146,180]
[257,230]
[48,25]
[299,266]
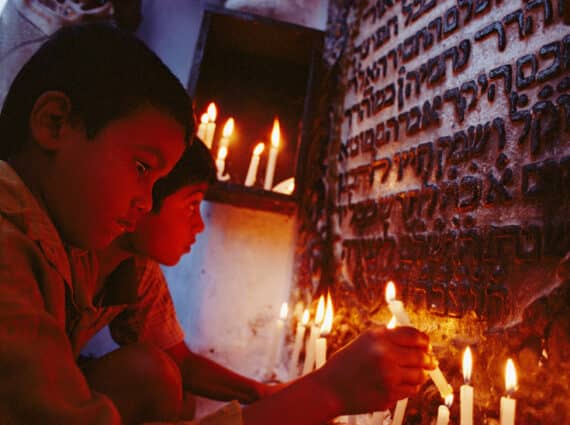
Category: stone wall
[445,167]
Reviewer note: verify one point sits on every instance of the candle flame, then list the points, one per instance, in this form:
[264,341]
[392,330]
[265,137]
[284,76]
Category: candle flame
[275,134]
[329,312]
[392,323]
[212,112]
[449,400]
[222,152]
[228,128]
[204,118]
[390,292]
[467,365]
[305,318]
[319,316]
[510,377]
[284,311]
[259,149]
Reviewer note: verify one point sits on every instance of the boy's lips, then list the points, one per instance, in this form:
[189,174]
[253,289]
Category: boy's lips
[127,225]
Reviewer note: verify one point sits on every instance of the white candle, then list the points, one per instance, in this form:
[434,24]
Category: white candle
[270,171]
[227,132]
[254,165]
[275,349]
[466,391]
[400,411]
[309,363]
[211,125]
[397,309]
[299,338]
[221,163]
[202,128]
[443,411]
[508,404]
[321,343]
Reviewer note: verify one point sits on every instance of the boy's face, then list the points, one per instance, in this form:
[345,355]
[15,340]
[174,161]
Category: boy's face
[169,233]
[97,189]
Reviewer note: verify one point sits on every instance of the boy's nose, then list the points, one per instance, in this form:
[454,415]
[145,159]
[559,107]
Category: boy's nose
[143,203]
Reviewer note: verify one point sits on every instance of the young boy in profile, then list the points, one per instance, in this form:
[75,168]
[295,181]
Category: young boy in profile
[90,123]
[130,262]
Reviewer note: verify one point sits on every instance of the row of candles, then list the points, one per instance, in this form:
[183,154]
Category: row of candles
[206,130]
[316,353]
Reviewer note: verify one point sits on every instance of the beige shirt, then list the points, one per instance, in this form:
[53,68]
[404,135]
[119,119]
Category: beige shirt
[40,381]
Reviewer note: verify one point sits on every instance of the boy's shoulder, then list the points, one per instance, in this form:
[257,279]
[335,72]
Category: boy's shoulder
[26,231]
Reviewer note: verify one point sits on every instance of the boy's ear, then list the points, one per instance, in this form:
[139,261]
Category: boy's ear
[50,115]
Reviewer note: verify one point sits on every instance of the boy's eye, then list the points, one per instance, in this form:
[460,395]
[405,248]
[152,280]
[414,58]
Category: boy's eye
[142,168]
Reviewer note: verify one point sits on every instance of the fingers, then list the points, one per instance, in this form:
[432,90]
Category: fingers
[409,337]
[414,357]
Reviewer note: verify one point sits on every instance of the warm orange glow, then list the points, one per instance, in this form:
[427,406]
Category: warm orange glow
[390,292]
[275,134]
[204,118]
[467,365]
[258,149]
[329,313]
[212,112]
[510,377]
[284,311]
[228,128]
[305,318]
[392,323]
[320,315]
[222,152]
[449,400]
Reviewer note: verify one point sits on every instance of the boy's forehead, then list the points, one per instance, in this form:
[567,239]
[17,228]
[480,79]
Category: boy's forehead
[194,190]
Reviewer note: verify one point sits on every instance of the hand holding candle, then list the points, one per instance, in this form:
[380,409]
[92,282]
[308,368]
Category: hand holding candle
[508,404]
[397,309]
[466,391]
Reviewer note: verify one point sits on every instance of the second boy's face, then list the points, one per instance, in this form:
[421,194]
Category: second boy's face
[170,233]
[99,188]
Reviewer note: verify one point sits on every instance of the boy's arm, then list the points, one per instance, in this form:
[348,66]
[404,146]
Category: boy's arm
[207,378]
[40,382]
[373,372]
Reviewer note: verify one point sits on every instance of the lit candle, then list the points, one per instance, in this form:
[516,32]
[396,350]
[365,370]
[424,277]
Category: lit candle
[400,409]
[270,171]
[227,132]
[443,411]
[275,350]
[254,164]
[397,309]
[309,363]
[299,337]
[211,125]
[508,404]
[466,391]
[321,343]
[221,163]
[202,127]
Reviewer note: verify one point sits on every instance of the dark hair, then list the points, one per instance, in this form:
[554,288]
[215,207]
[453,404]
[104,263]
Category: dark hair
[107,73]
[196,166]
